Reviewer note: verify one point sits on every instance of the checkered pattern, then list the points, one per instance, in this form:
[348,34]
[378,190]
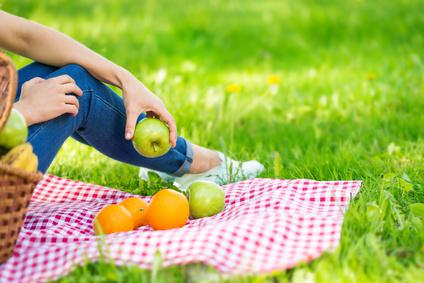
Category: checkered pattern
[267,225]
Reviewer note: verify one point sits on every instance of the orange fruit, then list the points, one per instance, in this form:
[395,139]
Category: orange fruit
[112,219]
[137,208]
[168,209]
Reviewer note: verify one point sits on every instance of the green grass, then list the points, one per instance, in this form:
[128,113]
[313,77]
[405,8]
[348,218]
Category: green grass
[349,106]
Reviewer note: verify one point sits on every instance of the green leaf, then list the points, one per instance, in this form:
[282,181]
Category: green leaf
[153,176]
[392,179]
[373,210]
[405,185]
[417,209]
[389,179]
[406,177]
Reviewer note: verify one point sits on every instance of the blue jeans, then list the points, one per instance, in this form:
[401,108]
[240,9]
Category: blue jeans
[100,123]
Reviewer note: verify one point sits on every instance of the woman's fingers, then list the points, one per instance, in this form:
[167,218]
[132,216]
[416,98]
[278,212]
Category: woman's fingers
[130,124]
[167,118]
[71,109]
[63,79]
[163,114]
[70,99]
[71,88]
[34,81]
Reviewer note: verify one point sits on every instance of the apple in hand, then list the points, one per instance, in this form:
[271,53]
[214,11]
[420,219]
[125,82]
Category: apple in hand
[205,199]
[151,138]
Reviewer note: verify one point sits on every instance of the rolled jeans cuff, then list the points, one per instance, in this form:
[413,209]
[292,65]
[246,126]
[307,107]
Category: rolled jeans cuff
[185,167]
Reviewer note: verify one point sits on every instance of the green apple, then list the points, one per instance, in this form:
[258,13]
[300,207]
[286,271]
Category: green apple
[151,138]
[205,199]
[15,131]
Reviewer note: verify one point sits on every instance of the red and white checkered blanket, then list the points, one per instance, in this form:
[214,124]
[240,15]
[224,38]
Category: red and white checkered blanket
[267,225]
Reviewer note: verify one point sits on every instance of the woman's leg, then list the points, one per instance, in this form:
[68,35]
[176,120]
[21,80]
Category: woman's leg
[100,123]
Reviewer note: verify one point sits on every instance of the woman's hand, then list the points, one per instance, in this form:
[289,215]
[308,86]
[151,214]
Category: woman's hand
[42,100]
[138,99]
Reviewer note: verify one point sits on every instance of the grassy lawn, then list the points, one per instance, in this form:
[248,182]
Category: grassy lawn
[328,90]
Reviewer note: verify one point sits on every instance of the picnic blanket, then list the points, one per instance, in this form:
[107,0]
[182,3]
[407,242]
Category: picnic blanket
[267,225]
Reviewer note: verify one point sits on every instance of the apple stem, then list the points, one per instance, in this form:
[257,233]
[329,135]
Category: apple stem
[155,147]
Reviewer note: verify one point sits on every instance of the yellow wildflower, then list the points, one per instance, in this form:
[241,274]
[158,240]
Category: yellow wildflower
[233,88]
[371,76]
[273,79]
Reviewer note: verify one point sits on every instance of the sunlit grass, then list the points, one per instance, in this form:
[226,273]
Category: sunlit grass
[327,90]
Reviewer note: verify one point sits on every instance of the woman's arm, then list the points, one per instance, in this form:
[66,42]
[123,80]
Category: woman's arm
[50,47]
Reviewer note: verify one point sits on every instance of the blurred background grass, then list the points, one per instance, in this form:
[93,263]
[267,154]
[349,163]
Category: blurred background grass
[313,89]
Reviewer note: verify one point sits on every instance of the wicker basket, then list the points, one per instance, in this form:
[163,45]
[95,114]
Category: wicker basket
[8,83]
[16,185]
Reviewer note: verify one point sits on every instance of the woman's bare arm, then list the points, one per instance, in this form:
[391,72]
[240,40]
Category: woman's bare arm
[53,48]
[50,47]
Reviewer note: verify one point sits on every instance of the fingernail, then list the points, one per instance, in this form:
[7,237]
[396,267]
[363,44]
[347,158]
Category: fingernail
[128,135]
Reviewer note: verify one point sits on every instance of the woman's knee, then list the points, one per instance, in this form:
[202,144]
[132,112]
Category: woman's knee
[80,75]
[84,80]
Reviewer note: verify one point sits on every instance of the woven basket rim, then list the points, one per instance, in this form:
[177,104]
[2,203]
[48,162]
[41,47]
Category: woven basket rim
[11,89]
[27,176]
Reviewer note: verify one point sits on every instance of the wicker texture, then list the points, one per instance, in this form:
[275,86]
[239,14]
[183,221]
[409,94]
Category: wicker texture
[16,185]
[8,83]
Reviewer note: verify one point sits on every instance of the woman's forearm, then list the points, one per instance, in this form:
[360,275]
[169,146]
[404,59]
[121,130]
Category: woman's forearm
[51,47]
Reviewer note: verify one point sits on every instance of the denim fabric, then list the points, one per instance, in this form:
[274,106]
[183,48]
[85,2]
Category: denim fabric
[100,123]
